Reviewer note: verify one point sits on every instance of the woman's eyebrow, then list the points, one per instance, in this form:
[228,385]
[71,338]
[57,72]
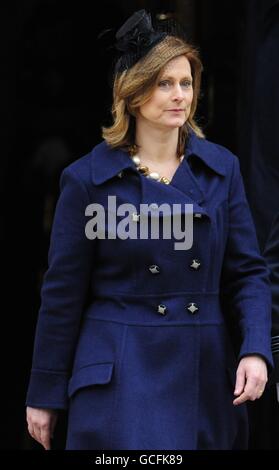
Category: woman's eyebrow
[170,77]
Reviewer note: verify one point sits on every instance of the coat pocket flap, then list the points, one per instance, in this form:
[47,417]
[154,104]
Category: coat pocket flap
[90,375]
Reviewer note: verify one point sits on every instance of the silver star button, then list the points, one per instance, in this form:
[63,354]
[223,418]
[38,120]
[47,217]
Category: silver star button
[162,309]
[197,215]
[135,217]
[195,264]
[154,269]
[192,307]
[120,174]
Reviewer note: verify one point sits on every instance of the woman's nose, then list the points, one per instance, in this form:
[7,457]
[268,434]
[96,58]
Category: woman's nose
[178,92]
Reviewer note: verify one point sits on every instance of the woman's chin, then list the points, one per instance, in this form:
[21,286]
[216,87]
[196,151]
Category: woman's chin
[175,123]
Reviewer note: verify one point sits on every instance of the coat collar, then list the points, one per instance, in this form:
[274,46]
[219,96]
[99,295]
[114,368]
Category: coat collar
[107,162]
[211,154]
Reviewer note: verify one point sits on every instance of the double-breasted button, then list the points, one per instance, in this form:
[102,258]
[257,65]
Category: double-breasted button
[154,269]
[196,264]
[162,309]
[197,215]
[192,307]
[135,217]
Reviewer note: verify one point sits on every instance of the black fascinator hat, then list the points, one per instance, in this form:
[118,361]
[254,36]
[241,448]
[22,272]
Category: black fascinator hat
[134,39]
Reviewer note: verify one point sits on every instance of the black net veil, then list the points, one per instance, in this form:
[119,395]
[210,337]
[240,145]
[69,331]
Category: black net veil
[136,37]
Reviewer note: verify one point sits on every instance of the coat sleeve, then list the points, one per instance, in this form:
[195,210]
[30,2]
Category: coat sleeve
[63,296]
[245,282]
[271,254]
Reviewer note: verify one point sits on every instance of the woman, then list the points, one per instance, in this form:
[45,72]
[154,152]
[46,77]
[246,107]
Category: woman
[147,362]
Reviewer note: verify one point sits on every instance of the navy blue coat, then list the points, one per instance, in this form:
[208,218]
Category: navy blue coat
[133,375]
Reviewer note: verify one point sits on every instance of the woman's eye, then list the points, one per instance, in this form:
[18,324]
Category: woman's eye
[187,83]
[164,83]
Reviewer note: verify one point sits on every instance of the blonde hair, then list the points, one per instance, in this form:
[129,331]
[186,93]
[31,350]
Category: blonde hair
[133,87]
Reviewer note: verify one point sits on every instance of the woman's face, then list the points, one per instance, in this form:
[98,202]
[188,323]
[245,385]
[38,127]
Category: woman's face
[170,103]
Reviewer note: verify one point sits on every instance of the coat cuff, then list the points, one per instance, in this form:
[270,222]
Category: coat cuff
[48,389]
[256,342]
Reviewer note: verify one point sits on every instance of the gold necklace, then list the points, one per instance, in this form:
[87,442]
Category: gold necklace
[144,170]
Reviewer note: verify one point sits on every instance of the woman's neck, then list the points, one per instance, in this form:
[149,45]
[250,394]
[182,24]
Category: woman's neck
[157,145]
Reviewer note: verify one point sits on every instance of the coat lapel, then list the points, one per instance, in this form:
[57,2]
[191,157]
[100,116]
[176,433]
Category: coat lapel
[184,181]
[180,191]
[184,188]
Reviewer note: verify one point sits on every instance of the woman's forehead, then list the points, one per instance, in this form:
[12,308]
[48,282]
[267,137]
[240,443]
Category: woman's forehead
[177,64]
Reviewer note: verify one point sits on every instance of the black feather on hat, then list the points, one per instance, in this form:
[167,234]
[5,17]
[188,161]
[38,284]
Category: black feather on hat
[135,38]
